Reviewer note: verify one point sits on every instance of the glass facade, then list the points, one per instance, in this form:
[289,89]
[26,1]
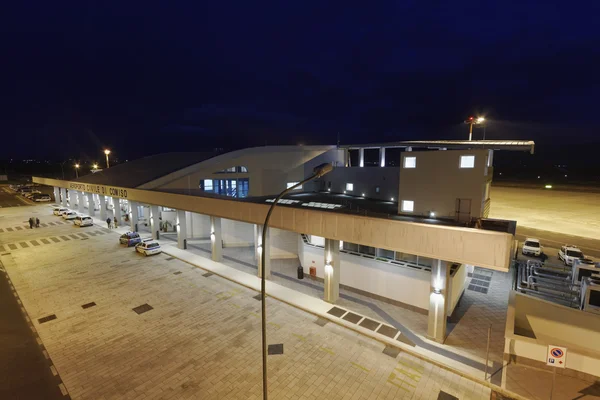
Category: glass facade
[226,187]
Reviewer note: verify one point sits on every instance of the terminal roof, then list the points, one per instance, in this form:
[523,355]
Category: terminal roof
[137,172]
[511,145]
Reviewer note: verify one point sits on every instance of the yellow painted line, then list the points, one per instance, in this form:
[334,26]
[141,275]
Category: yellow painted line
[326,350]
[417,368]
[235,305]
[275,325]
[255,314]
[392,378]
[359,366]
[414,377]
[299,337]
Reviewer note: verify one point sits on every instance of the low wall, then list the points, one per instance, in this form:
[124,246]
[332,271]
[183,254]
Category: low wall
[402,284]
[533,324]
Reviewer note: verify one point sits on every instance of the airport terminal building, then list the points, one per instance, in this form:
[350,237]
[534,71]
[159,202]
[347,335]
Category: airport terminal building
[405,228]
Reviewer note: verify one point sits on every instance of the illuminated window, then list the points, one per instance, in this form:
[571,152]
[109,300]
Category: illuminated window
[208,185]
[410,162]
[467,161]
[408,205]
[349,187]
[290,184]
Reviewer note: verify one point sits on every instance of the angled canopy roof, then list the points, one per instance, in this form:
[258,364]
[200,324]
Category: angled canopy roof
[135,173]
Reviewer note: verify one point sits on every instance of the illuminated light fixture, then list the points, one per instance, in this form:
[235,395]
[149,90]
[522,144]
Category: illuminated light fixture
[539,177]
[344,192]
[392,199]
[259,248]
[431,214]
[328,268]
[212,236]
[480,120]
[329,190]
[95,166]
[548,186]
[437,291]
[363,195]
[107,152]
[565,176]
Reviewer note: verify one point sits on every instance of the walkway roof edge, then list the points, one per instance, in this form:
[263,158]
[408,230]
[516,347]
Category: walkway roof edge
[487,249]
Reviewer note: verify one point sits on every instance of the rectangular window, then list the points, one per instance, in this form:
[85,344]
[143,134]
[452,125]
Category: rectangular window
[410,162]
[467,161]
[290,184]
[349,187]
[377,189]
[408,205]
[208,185]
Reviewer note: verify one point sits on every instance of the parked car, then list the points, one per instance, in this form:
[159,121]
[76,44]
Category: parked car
[148,248]
[69,215]
[569,253]
[59,210]
[66,210]
[532,246]
[42,198]
[31,194]
[83,220]
[130,239]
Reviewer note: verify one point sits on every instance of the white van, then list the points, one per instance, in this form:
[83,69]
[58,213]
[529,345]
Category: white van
[82,220]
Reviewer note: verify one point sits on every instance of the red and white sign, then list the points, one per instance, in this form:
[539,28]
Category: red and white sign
[557,356]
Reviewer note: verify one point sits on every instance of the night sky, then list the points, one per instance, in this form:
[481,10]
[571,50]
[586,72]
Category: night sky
[147,77]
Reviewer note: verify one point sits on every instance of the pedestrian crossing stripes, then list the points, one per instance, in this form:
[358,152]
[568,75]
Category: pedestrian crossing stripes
[50,240]
[23,227]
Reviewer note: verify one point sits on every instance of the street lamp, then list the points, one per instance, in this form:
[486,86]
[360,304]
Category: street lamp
[107,152]
[95,166]
[77,170]
[474,121]
[318,172]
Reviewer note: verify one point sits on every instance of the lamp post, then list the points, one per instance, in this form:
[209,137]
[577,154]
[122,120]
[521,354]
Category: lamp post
[107,152]
[77,170]
[95,166]
[473,121]
[318,172]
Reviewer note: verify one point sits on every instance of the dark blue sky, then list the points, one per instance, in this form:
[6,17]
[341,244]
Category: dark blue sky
[142,77]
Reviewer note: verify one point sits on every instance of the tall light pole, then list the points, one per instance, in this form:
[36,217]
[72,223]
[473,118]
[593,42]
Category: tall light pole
[107,152]
[318,172]
[473,121]
[77,170]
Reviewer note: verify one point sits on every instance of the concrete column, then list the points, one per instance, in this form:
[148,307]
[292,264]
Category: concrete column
[154,222]
[216,239]
[80,202]
[102,207]
[63,197]
[91,204]
[332,271]
[117,210]
[181,229]
[259,246]
[133,216]
[382,157]
[56,195]
[361,157]
[440,276]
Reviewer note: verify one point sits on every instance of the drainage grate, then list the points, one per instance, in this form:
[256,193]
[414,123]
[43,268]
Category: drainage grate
[85,238]
[5,254]
[478,289]
[337,312]
[321,321]
[351,317]
[74,236]
[206,275]
[143,308]
[177,273]
[18,228]
[46,319]
[83,235]
[387,331]
[275,349]
[12,246]
[369,324]
[88,305]
[391,351]
[482,277]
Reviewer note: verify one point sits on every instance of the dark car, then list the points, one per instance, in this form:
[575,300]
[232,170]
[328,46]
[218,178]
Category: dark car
[130,239]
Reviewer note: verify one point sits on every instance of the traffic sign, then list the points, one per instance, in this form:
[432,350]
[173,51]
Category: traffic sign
[557,356]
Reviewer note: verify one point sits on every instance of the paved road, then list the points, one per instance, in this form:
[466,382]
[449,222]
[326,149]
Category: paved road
[8,198]
[24,371]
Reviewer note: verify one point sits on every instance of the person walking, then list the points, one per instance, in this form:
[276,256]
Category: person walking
[31,223]
[37,222]
[108,221]
[116,223]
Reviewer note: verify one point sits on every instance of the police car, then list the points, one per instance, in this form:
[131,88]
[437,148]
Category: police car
[69,215]
[59,211]
[83,220]
[148,247]
[569,253]
[130,239]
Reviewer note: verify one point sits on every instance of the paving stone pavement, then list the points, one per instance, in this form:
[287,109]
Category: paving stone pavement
[201,339]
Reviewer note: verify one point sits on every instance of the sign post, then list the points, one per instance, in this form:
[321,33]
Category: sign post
[557,358]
